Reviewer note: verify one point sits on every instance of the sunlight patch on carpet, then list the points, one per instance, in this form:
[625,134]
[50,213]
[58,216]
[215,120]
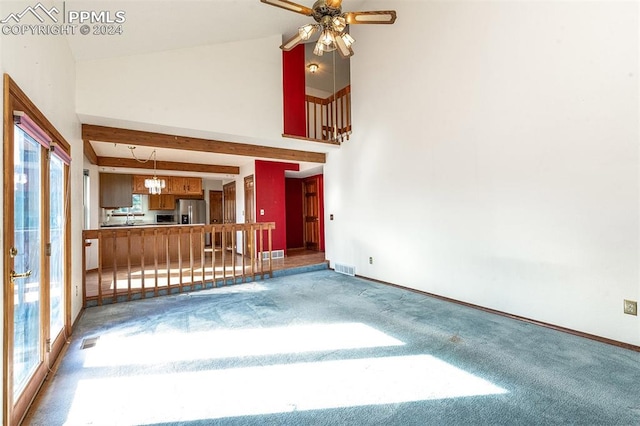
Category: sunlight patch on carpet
[216,394]
[175,346]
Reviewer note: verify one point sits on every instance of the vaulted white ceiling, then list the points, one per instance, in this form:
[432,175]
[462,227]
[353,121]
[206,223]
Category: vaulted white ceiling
[158,25]
[154,26]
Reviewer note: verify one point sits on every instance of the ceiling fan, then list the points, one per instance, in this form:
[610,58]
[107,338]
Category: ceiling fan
[331,23]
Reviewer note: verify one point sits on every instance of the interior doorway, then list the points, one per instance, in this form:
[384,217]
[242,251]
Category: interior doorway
[311,209]
[305,214]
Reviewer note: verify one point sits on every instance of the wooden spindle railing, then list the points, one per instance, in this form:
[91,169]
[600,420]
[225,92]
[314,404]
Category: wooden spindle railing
[138,256]
[329,118]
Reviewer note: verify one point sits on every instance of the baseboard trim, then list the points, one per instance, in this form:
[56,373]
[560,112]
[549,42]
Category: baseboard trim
[512,316]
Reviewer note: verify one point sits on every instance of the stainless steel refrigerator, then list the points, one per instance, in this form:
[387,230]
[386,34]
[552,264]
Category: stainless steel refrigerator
[191,211]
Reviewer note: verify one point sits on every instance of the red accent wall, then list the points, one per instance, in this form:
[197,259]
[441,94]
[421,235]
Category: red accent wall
[271,197]
[293,90]
[295,221]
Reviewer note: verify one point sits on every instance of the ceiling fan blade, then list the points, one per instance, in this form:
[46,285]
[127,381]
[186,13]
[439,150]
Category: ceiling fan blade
[371,17]
[292,42]
[289,5]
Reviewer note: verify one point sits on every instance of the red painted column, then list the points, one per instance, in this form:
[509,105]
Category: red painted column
[293,90]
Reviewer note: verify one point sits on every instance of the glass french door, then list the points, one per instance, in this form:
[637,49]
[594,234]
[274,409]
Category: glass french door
[57,247]
[36,259]
[26,253]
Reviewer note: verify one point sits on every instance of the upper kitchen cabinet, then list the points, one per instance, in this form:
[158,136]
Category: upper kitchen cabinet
[115,190]
[176,185]
[185,185]
[138,184]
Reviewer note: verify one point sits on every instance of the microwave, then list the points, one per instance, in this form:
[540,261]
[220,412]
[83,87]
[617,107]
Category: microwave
[165,218]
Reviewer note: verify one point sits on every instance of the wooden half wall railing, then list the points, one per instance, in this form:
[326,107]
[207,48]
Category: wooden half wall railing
[137,262]
[329,119]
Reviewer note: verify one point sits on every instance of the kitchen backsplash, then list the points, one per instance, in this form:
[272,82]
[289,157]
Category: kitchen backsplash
[141,216]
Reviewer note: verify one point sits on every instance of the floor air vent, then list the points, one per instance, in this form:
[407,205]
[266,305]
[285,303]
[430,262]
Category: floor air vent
[345,269]
[89,342]
[275,254]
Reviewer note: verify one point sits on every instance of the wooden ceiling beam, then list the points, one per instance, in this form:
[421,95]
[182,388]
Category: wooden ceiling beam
[160,140]
[89,152]
[167,165]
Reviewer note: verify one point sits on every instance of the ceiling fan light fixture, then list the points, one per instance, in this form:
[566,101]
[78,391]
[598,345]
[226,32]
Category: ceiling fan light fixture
[338,23]
[318,49]
[332,22]
[344,49]
[348,40]
[306,31]
[328,40]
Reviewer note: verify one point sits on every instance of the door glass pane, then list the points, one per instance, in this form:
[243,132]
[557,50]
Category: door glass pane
[26,332]
[57,260]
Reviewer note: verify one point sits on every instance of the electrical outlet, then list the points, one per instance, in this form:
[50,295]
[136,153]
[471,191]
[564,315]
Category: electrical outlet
[631,307]
[370,260]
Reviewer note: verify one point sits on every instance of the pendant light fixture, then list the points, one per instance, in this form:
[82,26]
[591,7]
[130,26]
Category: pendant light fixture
[154,184]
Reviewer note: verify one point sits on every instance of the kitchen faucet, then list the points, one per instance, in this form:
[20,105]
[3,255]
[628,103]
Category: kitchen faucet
[129,214]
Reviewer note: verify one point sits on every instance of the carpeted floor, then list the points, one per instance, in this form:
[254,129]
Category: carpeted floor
[321,348]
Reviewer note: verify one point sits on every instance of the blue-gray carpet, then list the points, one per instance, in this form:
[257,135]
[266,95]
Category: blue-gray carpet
[325,349]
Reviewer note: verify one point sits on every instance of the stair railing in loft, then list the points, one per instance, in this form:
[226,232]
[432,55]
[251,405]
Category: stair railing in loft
[329,119]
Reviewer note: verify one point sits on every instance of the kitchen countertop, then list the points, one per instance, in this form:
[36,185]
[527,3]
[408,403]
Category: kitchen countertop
[124,225]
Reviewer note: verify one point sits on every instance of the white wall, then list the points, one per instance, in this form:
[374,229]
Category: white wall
[44,69]
[217,88]
[495,159]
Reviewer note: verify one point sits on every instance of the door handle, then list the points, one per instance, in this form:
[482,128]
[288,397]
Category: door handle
[14,275]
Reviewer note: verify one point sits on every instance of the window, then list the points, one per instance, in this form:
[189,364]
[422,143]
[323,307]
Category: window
[87,198]
[136,208]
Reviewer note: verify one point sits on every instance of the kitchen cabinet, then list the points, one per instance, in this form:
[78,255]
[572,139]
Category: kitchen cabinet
[115,190]
[162,202]
[176,185]
[185,185]
[138,184]
[139,188]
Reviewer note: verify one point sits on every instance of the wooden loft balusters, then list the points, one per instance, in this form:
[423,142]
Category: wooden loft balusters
[329,119]
[139,262]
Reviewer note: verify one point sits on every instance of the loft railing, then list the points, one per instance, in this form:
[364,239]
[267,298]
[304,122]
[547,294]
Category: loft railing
[145,261]
[329,119]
